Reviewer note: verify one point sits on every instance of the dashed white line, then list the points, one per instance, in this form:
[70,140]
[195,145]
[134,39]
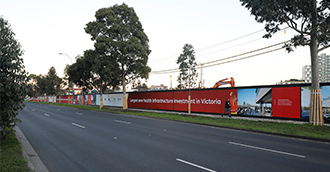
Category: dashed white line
[33,110]
[269,150]
[77,125]
[79,113]
[195,165]
[47,115]
[58,109]
[124,122]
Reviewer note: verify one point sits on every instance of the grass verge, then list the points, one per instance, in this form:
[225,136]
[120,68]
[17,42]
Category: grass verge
[11,158]
[305,130]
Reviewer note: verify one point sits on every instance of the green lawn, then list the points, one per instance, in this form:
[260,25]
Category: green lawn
[11,158]
[273,127]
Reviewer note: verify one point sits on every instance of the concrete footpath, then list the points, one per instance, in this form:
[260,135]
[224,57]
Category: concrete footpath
[30,155]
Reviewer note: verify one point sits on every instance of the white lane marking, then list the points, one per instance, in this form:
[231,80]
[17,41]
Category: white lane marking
[58,109]
[33,110]
[124,122]
[47,115]
[195,165]
[77,125]
[269,150]
[79,113]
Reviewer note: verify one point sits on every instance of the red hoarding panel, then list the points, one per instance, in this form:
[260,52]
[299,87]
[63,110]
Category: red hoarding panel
[76,99]
[151,100]
[89,100]
[64,99]
[286,102]
[209,101]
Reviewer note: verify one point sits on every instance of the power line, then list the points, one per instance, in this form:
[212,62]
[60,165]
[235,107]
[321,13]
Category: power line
[215,45]
[173,57]
[246,53]
[209,64]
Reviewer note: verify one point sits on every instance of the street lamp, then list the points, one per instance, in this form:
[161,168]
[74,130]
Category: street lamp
[65,55]
[73,98]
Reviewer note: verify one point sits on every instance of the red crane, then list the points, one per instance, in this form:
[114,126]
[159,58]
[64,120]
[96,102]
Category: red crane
[230,81]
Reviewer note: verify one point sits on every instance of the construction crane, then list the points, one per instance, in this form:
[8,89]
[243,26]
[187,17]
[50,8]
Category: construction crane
[230,81]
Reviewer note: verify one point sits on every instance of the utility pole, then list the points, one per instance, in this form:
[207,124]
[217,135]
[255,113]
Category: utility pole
[170,82]
[189,105]
[201,75]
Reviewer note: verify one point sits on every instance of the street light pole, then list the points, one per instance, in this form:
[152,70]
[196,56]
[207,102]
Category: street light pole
[171,82]
[73,98]
[189,99]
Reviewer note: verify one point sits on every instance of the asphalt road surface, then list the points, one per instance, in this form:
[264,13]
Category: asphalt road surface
[68,139]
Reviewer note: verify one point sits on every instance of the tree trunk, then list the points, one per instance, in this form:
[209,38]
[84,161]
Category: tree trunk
[101,98]
[316,116]
[124,94]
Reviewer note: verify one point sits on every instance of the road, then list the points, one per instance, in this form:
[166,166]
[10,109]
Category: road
[69,139]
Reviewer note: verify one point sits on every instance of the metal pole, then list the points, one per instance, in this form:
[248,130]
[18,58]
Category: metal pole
[73,98]
[171,82]
[189,105]
[201,75]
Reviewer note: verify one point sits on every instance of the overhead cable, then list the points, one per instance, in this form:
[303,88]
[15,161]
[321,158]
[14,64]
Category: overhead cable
[209,64]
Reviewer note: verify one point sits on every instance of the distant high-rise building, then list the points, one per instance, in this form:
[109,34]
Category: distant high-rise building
[324,69]
[307,73]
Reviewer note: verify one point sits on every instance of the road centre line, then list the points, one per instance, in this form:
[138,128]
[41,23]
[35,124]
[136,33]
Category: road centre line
[124,122]
[47,115]
[269,150]
[77,125]
[195,165]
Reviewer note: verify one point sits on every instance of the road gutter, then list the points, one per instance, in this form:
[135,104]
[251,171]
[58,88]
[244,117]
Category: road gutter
[29,154]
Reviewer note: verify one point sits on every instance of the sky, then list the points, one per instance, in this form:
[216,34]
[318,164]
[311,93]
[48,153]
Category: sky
[216,29]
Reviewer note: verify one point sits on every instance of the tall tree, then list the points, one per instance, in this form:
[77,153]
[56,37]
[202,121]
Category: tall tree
[13,79]
[41,85]
[311,21]
[32,85]
[119,36]
[53,82]
[188,74]
[94,70]
[80,73]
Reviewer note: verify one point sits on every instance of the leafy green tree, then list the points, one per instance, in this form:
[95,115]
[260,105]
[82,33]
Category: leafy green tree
[53,82]
[188,74]
[13,79]
[94,70]
[41,85]
[80,73]
[309,18]
[120,38]
[32,83]
[138,85]
[104,69]
[49,84]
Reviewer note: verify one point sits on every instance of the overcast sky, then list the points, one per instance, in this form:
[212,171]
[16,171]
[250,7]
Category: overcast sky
[217,29]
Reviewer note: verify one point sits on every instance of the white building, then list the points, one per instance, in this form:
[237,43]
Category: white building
[324,69]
